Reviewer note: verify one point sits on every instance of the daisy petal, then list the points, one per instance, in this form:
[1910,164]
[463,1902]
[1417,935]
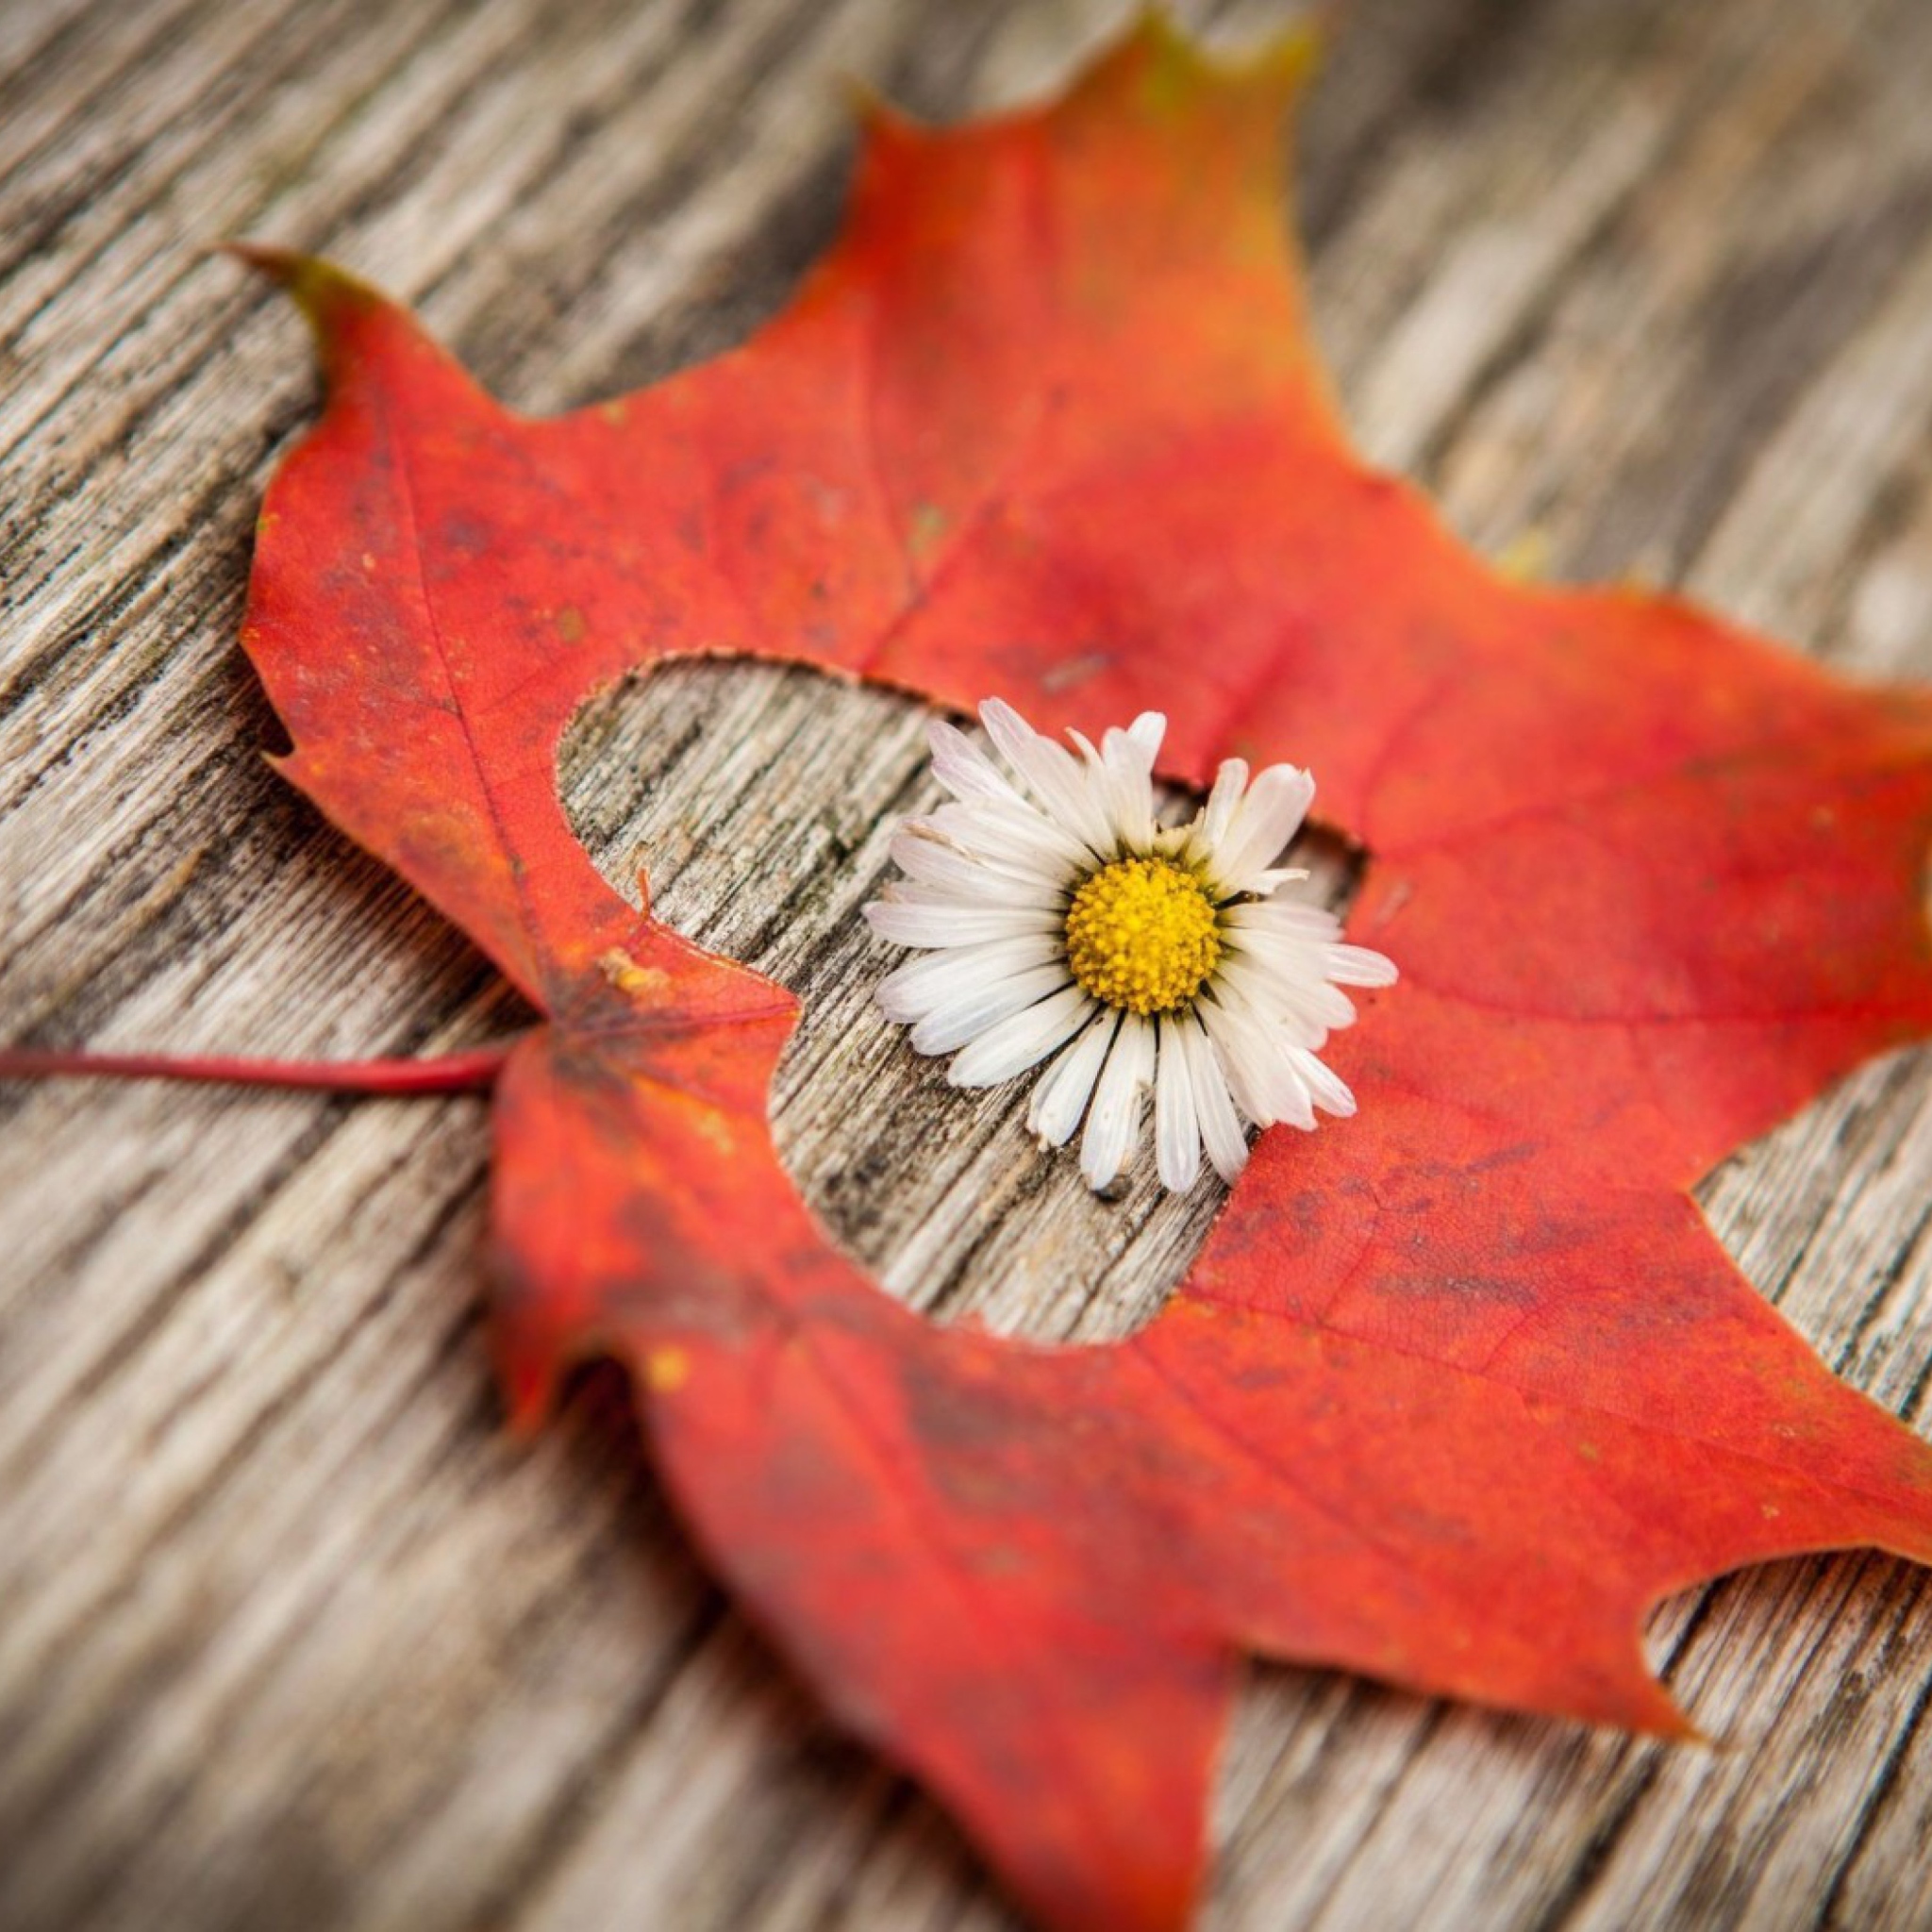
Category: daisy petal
[1146,732]
[1330,1091]
[1014,835]
[1023,1040]
[1177,1133]
[1221,1127]
[1266,1084]
[963,769]
[1129,758]
[947,971]
[1266,819]
[1284,916]
[1049,771]
[1114,1123]
[966,1018]
[937,862]
[1311,1007]
[1226,1036]
[1061,1097]
[915,924]
[1359,966]
[1273,880]
[1230,781]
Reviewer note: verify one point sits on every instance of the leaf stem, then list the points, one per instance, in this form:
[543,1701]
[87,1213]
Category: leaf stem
[458,1073]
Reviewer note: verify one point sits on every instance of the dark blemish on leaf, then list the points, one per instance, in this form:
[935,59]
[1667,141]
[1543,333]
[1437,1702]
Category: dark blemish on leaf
[1496,1291]
[464,535]
[1504,1156]
[746,471]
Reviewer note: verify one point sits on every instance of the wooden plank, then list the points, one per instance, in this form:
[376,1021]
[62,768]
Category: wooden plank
[292,1635]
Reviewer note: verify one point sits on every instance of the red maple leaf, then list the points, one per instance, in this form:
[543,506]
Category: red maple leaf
[1459,1389]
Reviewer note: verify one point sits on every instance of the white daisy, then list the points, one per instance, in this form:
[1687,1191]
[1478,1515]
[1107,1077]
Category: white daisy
[1060,918]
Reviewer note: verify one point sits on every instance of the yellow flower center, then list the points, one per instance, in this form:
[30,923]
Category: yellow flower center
[1141,935]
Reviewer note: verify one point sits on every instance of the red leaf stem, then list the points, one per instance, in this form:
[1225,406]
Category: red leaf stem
[473,1071]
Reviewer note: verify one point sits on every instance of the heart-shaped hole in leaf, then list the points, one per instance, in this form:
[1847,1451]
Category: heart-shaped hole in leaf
[760,799]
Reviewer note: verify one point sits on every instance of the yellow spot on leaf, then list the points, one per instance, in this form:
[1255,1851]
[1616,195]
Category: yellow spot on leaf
[666,1369]
[1525,559]
[626,975]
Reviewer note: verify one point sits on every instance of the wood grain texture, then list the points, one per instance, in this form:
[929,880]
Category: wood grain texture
[291,1635]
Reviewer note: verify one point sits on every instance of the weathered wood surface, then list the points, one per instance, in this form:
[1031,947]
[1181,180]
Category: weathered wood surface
[289,1634]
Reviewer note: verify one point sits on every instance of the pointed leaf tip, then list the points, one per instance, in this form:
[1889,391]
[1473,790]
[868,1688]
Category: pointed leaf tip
[318,285]
[335,303]
[1163,47]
